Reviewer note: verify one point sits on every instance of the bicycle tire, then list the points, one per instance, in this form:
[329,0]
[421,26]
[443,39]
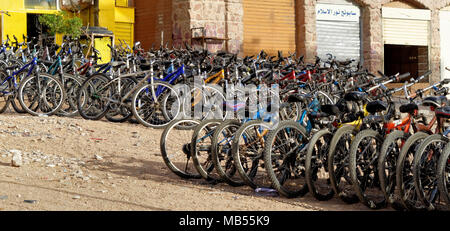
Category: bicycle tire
[300,187]
[169,155]
[348,196]
[320,192]
[443,174]
[122,113]
[91,107]
[205,168]
[228,172]
[357,157]
[250,174]
[420,155]
[5,99]
[40,107]
[389,157]
[404,179]
[159,120]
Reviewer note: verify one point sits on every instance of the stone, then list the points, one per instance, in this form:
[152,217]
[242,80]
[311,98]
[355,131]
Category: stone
[30,201]
[97,157]
[76,197]
[17,158]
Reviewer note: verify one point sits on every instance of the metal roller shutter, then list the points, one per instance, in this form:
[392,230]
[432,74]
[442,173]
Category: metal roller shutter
[269,25]
[406,26]
[124,32]
[338,30]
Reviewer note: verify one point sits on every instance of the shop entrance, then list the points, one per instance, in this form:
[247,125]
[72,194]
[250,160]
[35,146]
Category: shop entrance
[402,59]
[35,28]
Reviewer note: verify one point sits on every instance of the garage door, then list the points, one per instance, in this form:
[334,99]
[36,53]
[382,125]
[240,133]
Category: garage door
[124,32]
[445,43]
[338,30]
[269,25]
[406,26]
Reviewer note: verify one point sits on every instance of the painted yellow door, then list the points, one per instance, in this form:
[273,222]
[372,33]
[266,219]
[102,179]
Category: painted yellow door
[101,44]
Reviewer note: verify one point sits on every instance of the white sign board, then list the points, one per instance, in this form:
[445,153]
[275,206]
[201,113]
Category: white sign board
[332,12]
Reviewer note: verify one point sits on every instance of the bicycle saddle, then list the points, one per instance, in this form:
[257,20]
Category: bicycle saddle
[299,98]
[355,96]
[12,67]
[443,112]
[344,63]
[330,109]
[376,106]
[435,101]
[409,108]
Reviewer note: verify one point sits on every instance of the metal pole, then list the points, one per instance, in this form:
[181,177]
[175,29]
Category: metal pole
[3,27]
[226,25]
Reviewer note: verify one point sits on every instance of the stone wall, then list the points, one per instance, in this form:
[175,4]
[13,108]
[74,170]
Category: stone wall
[220,18]
[224,18]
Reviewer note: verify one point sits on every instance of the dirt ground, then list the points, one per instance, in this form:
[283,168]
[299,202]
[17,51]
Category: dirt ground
[74,164]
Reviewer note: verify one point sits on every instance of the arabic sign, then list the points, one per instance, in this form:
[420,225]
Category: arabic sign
[337,12]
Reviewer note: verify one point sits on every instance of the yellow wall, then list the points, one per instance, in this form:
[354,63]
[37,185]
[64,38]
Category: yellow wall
[16,24]
[109,15]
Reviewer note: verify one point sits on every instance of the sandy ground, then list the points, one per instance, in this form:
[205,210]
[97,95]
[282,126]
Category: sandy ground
[74,164]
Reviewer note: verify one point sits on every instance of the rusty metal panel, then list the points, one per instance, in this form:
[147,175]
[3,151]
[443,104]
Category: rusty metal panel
[153,18]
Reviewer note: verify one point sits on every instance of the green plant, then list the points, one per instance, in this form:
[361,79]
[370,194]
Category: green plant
[62,23]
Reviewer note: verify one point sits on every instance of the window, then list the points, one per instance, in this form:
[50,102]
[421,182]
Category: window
[41,4]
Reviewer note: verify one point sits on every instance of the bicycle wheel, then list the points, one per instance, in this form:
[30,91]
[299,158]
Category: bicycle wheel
[248,146]
[389,153]
[364,152]
[222,152]
[404,173]
[15,83]
[338,164]
[425,170]
[444,174]
[5,91]
[93,97]
[175,149]
[208,99]
[284,158]
[72,86]
[41,94]
[118,113]
[317,174]
[201,149]
[151,101]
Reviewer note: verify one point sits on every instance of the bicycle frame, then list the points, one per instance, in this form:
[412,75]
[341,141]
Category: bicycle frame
[31,64]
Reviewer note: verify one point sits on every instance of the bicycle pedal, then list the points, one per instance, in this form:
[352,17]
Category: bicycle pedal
[187,149]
